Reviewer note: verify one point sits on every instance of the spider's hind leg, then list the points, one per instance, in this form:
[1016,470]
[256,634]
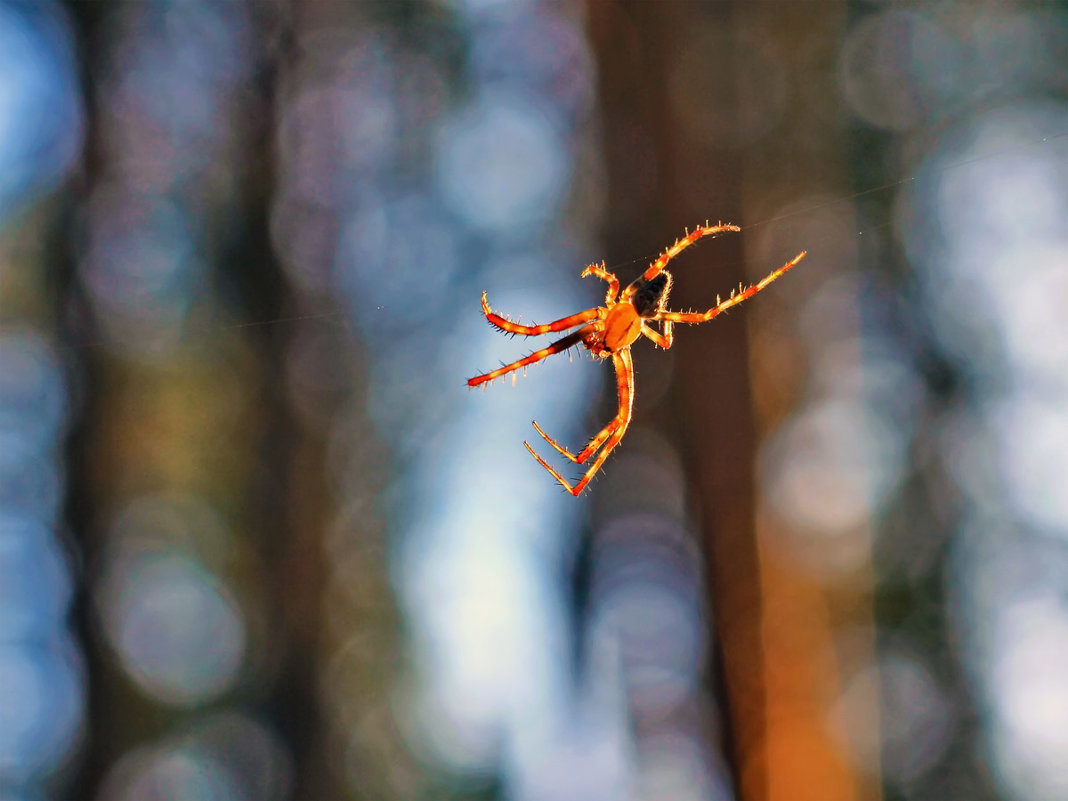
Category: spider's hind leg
[681,244]
[665,339]
[735,298]
[562,324]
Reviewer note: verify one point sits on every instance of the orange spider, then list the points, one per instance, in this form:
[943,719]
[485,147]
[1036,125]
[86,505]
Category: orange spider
[610,330]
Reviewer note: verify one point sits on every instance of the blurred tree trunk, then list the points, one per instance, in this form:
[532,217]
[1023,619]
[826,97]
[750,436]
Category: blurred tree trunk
[685,147]
[711,410]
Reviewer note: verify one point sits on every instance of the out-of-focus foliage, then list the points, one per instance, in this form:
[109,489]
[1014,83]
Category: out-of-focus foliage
[257,540]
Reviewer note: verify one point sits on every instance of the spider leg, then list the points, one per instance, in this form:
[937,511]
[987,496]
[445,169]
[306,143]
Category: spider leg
[625,380]
[680,245]
[733,300]
[562,324]
[602,273]
[560,345]
[586,452]
[663,340]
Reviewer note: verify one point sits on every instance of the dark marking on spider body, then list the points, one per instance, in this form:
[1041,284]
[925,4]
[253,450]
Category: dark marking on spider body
[649,295]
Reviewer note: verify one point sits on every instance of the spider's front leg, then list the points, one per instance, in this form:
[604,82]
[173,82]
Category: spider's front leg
[585,453]
[556,347]
[613,283]
[616,429]
[562,324]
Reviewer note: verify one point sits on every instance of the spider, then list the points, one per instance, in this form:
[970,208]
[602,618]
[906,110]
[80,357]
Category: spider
[610,330]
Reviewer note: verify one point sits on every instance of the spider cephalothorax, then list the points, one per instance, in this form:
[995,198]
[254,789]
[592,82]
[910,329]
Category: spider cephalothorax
[610,330]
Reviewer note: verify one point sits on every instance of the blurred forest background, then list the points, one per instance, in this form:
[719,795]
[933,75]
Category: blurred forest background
[259,541]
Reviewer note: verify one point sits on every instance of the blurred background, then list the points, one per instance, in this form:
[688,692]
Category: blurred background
[259,541]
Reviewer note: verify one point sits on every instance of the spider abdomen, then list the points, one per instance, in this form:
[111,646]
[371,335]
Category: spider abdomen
[649,296]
